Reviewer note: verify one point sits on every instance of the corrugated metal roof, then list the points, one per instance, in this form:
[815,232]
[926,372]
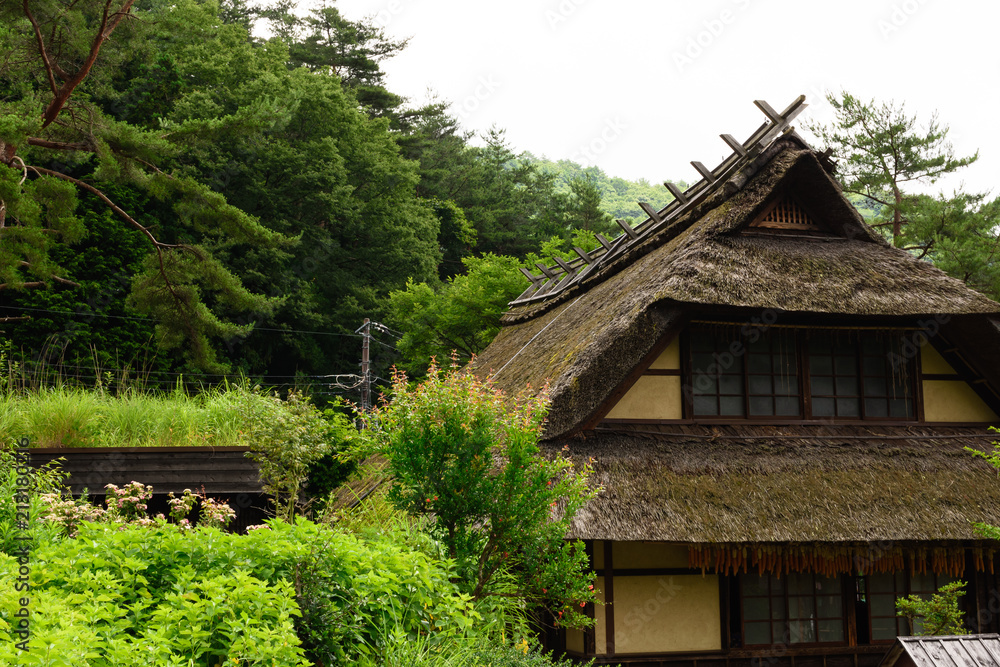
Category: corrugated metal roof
[950,651]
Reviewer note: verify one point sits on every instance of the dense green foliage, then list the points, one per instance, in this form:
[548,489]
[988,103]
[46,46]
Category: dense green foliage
[467,458]
[618,195]
[269,194]
[235,415]
[460,317]
[117,587]
[282,594]
[288,438]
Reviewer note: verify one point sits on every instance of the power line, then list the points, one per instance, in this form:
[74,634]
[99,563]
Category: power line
[133,371]
[152,321]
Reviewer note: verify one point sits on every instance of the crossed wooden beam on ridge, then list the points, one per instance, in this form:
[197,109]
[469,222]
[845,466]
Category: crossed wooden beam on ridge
[563,274]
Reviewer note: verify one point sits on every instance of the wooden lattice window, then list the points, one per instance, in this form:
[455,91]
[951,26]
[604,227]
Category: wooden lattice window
[882,592]
[798,608]
[824,374]
[786,213]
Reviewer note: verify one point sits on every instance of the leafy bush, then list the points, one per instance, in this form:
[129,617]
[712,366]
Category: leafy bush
[401,650]
[290,593]
[47,479]
[127,505]
[108,615]
[287,438]
[466,457]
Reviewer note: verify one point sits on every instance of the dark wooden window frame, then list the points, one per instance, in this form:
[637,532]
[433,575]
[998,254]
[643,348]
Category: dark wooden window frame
[783,597]
[907,590]
[805,393]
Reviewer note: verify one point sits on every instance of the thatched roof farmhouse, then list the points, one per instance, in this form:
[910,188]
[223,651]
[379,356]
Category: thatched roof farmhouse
[778,404]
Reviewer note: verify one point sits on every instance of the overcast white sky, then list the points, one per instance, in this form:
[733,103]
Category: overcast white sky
[641,88]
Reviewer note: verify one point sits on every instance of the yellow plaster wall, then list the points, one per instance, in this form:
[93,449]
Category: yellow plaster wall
[641,555]
[668,613]
[652,397]
[670,358]
[600,626]
[574,640]
[598,554]
[954,401]
[933,363]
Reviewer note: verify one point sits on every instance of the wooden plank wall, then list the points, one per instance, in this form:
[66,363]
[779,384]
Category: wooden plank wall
[221,470]
[224,473]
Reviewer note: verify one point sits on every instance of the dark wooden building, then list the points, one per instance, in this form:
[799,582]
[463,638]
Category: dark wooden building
[778,404]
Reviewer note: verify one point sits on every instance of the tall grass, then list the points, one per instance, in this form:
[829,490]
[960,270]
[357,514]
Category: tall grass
[75,417]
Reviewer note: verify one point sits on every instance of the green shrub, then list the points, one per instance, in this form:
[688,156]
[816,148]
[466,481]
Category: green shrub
[288,437]
[108,616]
[292,592]
[45,479]
[938,615]
[466,457]
[401,650]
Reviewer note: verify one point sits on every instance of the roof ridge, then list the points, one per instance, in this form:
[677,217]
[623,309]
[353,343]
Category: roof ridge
[725,177]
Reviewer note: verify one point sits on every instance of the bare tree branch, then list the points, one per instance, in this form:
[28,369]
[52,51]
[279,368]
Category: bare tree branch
[33,283]
[60,145]
[64,281]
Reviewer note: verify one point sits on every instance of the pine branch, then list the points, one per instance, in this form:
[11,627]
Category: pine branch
[60,145]
[109,22]
[41,48]
[114,207]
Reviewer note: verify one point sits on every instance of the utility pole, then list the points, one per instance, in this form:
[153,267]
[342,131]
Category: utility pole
[366,378]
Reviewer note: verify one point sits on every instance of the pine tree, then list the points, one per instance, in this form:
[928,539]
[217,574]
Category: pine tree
[882,151]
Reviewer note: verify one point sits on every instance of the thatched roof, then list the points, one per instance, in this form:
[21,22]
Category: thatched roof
[786,484]
[705,257]
[586,340]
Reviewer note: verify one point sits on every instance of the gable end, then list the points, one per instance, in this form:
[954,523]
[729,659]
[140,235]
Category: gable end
[786,213]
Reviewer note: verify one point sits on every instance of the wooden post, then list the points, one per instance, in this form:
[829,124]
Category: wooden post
[366,377]
[609,597]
